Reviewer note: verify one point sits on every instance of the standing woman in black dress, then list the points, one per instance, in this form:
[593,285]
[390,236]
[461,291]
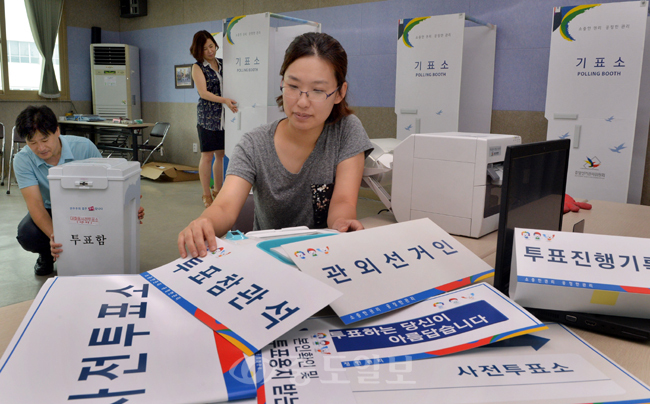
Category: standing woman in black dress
[207,74]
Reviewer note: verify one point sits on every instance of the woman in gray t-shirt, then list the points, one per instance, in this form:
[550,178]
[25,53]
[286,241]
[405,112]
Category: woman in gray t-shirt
[305,169]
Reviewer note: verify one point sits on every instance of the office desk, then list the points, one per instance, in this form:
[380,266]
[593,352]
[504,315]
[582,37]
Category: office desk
[106,127]
[605,218]
[617,219]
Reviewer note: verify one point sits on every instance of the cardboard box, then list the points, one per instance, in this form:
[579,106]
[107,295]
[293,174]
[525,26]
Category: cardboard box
[169,172]
[579,272]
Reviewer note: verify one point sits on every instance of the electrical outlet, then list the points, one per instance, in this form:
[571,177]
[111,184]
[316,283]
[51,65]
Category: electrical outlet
[195,147]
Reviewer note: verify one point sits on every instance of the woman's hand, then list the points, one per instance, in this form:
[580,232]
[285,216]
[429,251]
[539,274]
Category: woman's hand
[140,212]
[345,225]
[232,104]
[194,237]
[55,248]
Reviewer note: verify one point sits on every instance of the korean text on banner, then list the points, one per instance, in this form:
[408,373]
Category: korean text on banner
[386,268]
[295,366]
[241,292]
[429,61]
[552,366]
[581,272]
[453,322]
[116,337]
[596,48]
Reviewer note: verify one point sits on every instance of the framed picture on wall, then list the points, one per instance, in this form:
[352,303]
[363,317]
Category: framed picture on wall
[183,76]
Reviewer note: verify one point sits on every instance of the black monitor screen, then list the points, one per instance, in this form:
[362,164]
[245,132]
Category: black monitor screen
[532,196]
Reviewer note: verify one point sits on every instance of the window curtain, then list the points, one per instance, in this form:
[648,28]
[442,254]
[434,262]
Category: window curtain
[44,19]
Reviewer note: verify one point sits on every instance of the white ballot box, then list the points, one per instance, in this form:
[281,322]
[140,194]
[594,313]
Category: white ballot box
[94,210]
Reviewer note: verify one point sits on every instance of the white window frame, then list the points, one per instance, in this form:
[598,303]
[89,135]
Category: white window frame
[7,94]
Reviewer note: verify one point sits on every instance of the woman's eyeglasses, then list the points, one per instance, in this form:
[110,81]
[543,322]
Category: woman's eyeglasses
[293,92]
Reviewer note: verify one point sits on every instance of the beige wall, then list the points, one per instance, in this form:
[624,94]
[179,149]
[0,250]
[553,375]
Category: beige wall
[93,13]
[182,133]
[161,13]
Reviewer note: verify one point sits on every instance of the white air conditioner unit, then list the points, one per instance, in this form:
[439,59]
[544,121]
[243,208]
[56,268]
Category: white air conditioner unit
[115,71]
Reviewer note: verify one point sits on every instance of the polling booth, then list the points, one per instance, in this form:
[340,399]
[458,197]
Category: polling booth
[445,75]
[95,205]
[253,51]
[598,97]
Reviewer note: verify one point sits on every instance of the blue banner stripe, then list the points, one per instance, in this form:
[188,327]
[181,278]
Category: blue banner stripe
[450,323]
[376,361]
[402,302]
[239,382]
[424,355]
[190,308]
[259,370]
[170,293]
[569,284]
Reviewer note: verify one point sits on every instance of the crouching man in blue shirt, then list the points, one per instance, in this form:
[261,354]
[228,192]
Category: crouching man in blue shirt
[46,148]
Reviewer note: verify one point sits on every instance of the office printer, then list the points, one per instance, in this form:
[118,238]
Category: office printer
[452,178]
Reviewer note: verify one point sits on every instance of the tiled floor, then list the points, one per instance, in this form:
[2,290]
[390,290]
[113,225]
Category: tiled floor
[169,207]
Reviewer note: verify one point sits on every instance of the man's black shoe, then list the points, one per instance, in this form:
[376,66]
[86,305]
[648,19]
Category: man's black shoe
[44,265]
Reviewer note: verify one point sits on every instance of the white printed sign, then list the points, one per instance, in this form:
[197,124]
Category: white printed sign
[429,67]
[581,272]
[244,294]
[552,366]
[453,322]
[389,267]
[293,368]
[595,93]
[245,73]
[117,338]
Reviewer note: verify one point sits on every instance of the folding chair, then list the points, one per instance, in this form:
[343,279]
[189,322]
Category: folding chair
[116,143]
[159,132]
[16,141]
[2,153]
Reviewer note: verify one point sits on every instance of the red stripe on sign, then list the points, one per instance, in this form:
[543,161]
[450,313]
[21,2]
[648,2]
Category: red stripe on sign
[229,355]
[454,285]
[261,397]
[462,347]
[209,321]
[632,289]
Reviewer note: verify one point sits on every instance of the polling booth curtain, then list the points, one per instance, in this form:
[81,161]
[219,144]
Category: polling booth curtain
[44,19]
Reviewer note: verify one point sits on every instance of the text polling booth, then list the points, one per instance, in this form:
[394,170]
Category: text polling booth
[598,96]
[253,52]
[445,75]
